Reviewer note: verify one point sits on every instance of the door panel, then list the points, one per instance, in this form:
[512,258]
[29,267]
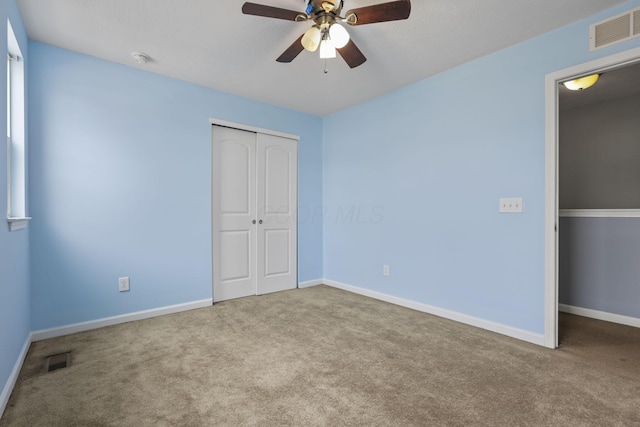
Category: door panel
[236,257]
[234,209]
[277,170]
[235,173]
[277,175]
[277,244]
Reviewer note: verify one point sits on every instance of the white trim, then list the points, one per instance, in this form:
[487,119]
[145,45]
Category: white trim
[115,320]
[310,283]
[551,214]
[18,223]
[600,315]
[225,123]
[447,314]
[551,178]
[600,213]
[13,377]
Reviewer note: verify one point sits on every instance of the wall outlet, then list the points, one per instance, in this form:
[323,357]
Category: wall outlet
[385,270]
[123,284]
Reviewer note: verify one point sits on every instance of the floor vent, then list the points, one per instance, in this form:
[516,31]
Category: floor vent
[615,30]
[57,361]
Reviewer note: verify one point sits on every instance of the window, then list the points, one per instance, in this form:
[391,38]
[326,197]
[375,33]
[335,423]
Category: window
[16,158]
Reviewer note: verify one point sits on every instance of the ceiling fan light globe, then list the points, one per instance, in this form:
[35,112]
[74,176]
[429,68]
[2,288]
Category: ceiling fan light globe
[327,49]
[339,36]
[311,39]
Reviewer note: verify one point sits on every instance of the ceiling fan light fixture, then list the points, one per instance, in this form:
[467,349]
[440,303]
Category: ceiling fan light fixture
[311,39]
[327,49]
[582,83]
[327,13]
[339,35]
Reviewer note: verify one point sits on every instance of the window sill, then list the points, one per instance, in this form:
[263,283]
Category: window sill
[18,223]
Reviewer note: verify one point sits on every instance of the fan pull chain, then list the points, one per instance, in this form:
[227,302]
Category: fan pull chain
[326,70]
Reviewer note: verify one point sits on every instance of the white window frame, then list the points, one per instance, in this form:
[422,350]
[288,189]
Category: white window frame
[16,131]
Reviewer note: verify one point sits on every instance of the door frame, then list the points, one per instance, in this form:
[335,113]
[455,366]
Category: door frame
[552,80]
[240,126]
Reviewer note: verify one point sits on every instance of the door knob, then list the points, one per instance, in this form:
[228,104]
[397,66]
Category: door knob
[253,222]
[260,222]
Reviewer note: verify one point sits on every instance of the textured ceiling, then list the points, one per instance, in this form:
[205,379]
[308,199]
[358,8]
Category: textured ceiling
[211,43]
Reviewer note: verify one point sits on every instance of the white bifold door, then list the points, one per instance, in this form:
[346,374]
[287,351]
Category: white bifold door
[254,186]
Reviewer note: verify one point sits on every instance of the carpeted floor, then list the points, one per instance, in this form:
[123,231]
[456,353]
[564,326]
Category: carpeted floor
[321,356]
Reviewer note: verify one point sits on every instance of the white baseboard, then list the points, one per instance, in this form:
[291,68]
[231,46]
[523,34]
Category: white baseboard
[13,377]
[447,314]
[123,318]
[310,283]
[600,315]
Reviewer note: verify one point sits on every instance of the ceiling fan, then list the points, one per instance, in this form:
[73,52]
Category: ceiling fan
[326,32]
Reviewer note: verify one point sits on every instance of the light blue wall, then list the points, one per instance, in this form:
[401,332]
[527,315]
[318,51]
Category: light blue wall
[599,266]
[434,158]
[14,246]
[120,178]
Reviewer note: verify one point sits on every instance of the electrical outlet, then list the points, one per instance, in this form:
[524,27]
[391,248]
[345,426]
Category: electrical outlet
[123,284]
[385,270]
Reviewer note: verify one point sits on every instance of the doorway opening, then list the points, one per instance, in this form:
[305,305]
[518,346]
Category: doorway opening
[552,177]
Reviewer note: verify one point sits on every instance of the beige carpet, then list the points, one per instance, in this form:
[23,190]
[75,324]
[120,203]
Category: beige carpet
[321,356]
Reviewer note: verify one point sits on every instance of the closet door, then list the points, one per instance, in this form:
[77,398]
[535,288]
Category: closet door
[277,174]
[234,213]
[254,204]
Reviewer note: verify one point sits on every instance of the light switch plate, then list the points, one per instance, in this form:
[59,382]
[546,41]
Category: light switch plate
[511,205]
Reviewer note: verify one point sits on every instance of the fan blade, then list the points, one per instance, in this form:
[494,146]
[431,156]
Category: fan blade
[392,11]
[352,55]
[292,51]
[271,12]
